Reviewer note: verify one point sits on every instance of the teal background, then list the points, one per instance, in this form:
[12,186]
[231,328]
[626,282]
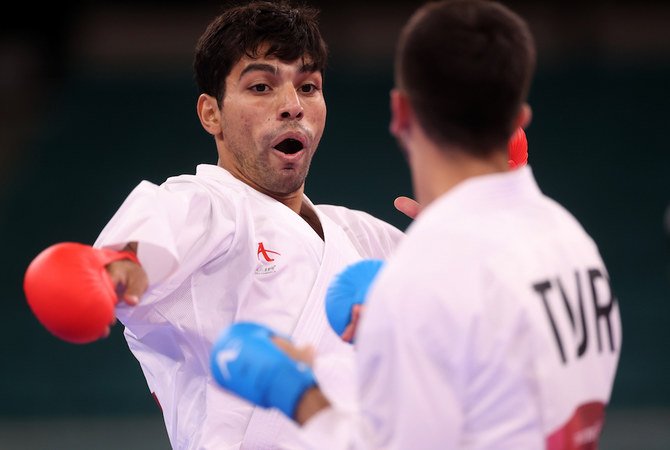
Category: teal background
[597,144]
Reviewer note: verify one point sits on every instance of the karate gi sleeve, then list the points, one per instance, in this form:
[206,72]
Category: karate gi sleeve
[174,226]
[341,429]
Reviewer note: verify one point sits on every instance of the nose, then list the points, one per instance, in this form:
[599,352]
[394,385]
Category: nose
[290,107]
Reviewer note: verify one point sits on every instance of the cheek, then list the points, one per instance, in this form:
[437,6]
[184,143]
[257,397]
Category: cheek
[319,114]
[236,122]
[237,115]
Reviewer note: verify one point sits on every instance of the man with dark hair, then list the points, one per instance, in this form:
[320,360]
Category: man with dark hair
[235,241]
[493,325]
[240,240]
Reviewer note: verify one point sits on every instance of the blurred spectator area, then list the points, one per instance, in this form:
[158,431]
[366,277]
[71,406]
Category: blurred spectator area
[95,96]
[41,45]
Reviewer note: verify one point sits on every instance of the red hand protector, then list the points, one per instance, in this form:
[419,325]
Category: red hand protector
[517,148]
[69,291]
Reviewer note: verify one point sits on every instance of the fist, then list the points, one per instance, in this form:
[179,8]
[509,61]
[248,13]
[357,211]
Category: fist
[246,361]
[517,149]
[349,288]
[70,292]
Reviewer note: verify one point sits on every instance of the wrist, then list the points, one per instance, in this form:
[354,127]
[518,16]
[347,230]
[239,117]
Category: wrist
[312,402]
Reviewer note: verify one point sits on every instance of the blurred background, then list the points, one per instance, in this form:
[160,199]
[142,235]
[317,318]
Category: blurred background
[96,96]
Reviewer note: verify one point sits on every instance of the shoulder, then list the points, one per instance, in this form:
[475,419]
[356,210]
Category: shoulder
[372,237]
[347,217]
[362,226]
[209,183]
[192,198]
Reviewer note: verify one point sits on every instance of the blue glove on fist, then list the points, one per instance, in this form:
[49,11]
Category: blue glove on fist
[347,289]
[245,361]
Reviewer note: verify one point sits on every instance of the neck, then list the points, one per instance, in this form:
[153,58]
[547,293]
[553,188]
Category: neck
[438,169]
[309,215]
[292,200]
[295,200]
[297,203]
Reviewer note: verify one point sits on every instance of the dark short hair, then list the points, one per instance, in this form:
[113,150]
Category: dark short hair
[291,32]
[466,66]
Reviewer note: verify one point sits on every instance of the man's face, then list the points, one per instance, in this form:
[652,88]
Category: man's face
[272,119]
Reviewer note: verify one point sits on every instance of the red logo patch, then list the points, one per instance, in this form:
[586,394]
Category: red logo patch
[265,253]
[581,431]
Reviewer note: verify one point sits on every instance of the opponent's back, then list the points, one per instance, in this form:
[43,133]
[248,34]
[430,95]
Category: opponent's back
[497,319]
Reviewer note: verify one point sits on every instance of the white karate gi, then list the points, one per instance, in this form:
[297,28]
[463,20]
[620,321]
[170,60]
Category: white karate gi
[493,326]
[217,251]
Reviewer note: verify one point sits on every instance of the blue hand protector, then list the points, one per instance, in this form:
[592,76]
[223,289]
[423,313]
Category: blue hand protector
[347,289]
[245,361]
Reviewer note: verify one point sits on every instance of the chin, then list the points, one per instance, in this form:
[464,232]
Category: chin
[286,185]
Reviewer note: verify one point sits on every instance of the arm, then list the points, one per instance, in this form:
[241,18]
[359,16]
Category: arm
[311,403]
[313,400]
[169,227]
[128,276]
[268,370]
[151,237]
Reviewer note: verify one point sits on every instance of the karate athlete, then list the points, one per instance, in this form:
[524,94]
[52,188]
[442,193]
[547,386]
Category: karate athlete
[493,325]
[239,240]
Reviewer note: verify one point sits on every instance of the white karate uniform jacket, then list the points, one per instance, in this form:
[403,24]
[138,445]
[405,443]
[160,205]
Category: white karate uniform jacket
[217,251]
[493,326]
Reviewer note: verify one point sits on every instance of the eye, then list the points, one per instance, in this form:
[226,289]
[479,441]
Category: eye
[308,88]
[260,87]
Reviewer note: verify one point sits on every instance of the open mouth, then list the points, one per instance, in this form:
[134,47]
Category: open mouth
[289,146]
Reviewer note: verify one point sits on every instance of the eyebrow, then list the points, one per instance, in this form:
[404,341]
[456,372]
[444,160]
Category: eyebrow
[305,68]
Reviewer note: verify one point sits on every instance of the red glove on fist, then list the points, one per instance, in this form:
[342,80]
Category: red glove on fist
[70,291]
[518,149]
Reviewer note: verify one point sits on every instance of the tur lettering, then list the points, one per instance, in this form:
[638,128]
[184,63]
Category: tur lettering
[591,285]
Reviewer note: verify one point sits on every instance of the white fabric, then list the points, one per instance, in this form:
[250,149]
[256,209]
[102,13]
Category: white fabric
[200,240]
[456,349]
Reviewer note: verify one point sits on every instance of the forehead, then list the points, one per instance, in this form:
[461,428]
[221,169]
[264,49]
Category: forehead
[304,63]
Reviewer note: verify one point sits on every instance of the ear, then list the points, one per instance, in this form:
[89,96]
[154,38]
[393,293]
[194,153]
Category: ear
[401,113]
[208,112]
[524,116]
